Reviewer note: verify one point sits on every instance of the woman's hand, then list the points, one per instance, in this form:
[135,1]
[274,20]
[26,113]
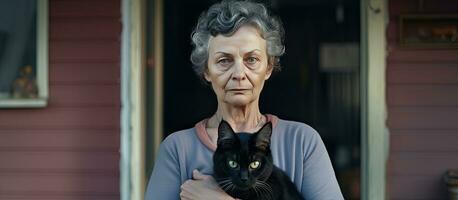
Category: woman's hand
[202,187]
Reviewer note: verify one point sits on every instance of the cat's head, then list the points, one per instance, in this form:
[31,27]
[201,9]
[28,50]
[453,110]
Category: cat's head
[242,160]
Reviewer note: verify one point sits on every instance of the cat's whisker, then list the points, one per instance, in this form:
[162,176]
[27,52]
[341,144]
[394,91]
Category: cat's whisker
[222,179]
[223,186]
[222,182]
[225,180]
[232,187]
[256,187]
[265,187]
[266,193]
[227,188]
[256,190]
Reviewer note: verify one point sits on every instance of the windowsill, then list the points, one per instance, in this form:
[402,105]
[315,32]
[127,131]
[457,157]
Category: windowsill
[23,103]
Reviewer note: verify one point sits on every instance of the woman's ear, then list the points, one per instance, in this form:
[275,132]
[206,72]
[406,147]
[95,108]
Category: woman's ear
[206,76]
[270,69]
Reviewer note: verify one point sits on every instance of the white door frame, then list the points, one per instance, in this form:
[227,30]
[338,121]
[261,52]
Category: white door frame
[133,65]
[374,132]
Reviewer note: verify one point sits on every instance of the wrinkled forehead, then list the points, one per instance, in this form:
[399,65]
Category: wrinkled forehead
[244,40]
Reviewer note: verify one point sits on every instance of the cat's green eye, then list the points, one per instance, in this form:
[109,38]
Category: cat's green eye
[255,164]
[233,164]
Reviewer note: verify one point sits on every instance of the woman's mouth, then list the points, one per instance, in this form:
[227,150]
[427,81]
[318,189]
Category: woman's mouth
[238,91]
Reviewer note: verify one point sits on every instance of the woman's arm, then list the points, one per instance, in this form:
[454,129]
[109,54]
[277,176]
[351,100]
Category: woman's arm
[319,180]
[165,181]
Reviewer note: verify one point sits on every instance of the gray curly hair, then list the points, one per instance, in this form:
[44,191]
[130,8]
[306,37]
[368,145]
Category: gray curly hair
[226,18]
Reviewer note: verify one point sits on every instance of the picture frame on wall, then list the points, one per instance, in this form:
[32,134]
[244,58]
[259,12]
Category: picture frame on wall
[428,31]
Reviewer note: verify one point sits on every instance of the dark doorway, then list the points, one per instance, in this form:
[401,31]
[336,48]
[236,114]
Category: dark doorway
[318,85]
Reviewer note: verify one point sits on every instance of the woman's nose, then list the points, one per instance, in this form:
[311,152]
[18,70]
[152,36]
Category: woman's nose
[239,71]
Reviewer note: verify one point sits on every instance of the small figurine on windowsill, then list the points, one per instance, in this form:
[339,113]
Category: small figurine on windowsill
[25,85]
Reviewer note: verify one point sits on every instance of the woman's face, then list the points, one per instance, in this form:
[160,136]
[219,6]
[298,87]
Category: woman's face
[238,66]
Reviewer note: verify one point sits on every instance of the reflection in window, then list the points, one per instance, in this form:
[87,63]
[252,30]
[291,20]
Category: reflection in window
[18,39]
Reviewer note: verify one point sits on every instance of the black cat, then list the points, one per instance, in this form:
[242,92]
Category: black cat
[243,166]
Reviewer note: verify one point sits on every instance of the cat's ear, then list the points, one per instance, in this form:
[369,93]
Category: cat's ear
[263,137]
[225,134]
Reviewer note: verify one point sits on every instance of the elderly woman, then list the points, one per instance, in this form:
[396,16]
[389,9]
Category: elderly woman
[237,46]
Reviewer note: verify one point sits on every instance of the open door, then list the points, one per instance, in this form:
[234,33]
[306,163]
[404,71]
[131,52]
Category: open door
[320,83]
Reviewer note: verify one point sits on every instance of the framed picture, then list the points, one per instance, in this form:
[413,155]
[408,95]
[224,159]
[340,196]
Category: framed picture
[428,31]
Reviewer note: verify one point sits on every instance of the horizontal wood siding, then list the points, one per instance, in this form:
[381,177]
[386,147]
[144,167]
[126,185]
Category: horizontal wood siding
[70,149]
[422,97]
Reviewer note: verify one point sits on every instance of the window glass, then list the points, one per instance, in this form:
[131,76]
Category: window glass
[18,49]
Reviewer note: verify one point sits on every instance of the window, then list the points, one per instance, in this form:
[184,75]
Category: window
[23,53]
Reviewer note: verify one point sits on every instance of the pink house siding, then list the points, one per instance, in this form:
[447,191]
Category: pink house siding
[422,97]
[70,149]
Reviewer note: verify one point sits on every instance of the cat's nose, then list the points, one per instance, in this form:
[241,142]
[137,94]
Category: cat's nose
[244,176]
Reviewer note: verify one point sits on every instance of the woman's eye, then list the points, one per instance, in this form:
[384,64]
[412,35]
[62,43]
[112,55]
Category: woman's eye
[251,60]
[224,61]
[233,164]
[255,164]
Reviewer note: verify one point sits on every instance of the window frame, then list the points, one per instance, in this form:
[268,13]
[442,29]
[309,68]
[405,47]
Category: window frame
[42,64]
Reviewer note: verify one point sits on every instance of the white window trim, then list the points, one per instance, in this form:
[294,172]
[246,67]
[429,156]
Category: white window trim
[133,63]
[42,64]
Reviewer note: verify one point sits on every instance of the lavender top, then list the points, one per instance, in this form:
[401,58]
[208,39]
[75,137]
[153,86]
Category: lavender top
[296,148]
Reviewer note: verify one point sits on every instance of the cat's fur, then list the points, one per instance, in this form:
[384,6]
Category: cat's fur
[244,182]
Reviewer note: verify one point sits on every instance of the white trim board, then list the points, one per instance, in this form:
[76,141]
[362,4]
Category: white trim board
[374,133]
[124,165]
[137,95]
[132,164]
